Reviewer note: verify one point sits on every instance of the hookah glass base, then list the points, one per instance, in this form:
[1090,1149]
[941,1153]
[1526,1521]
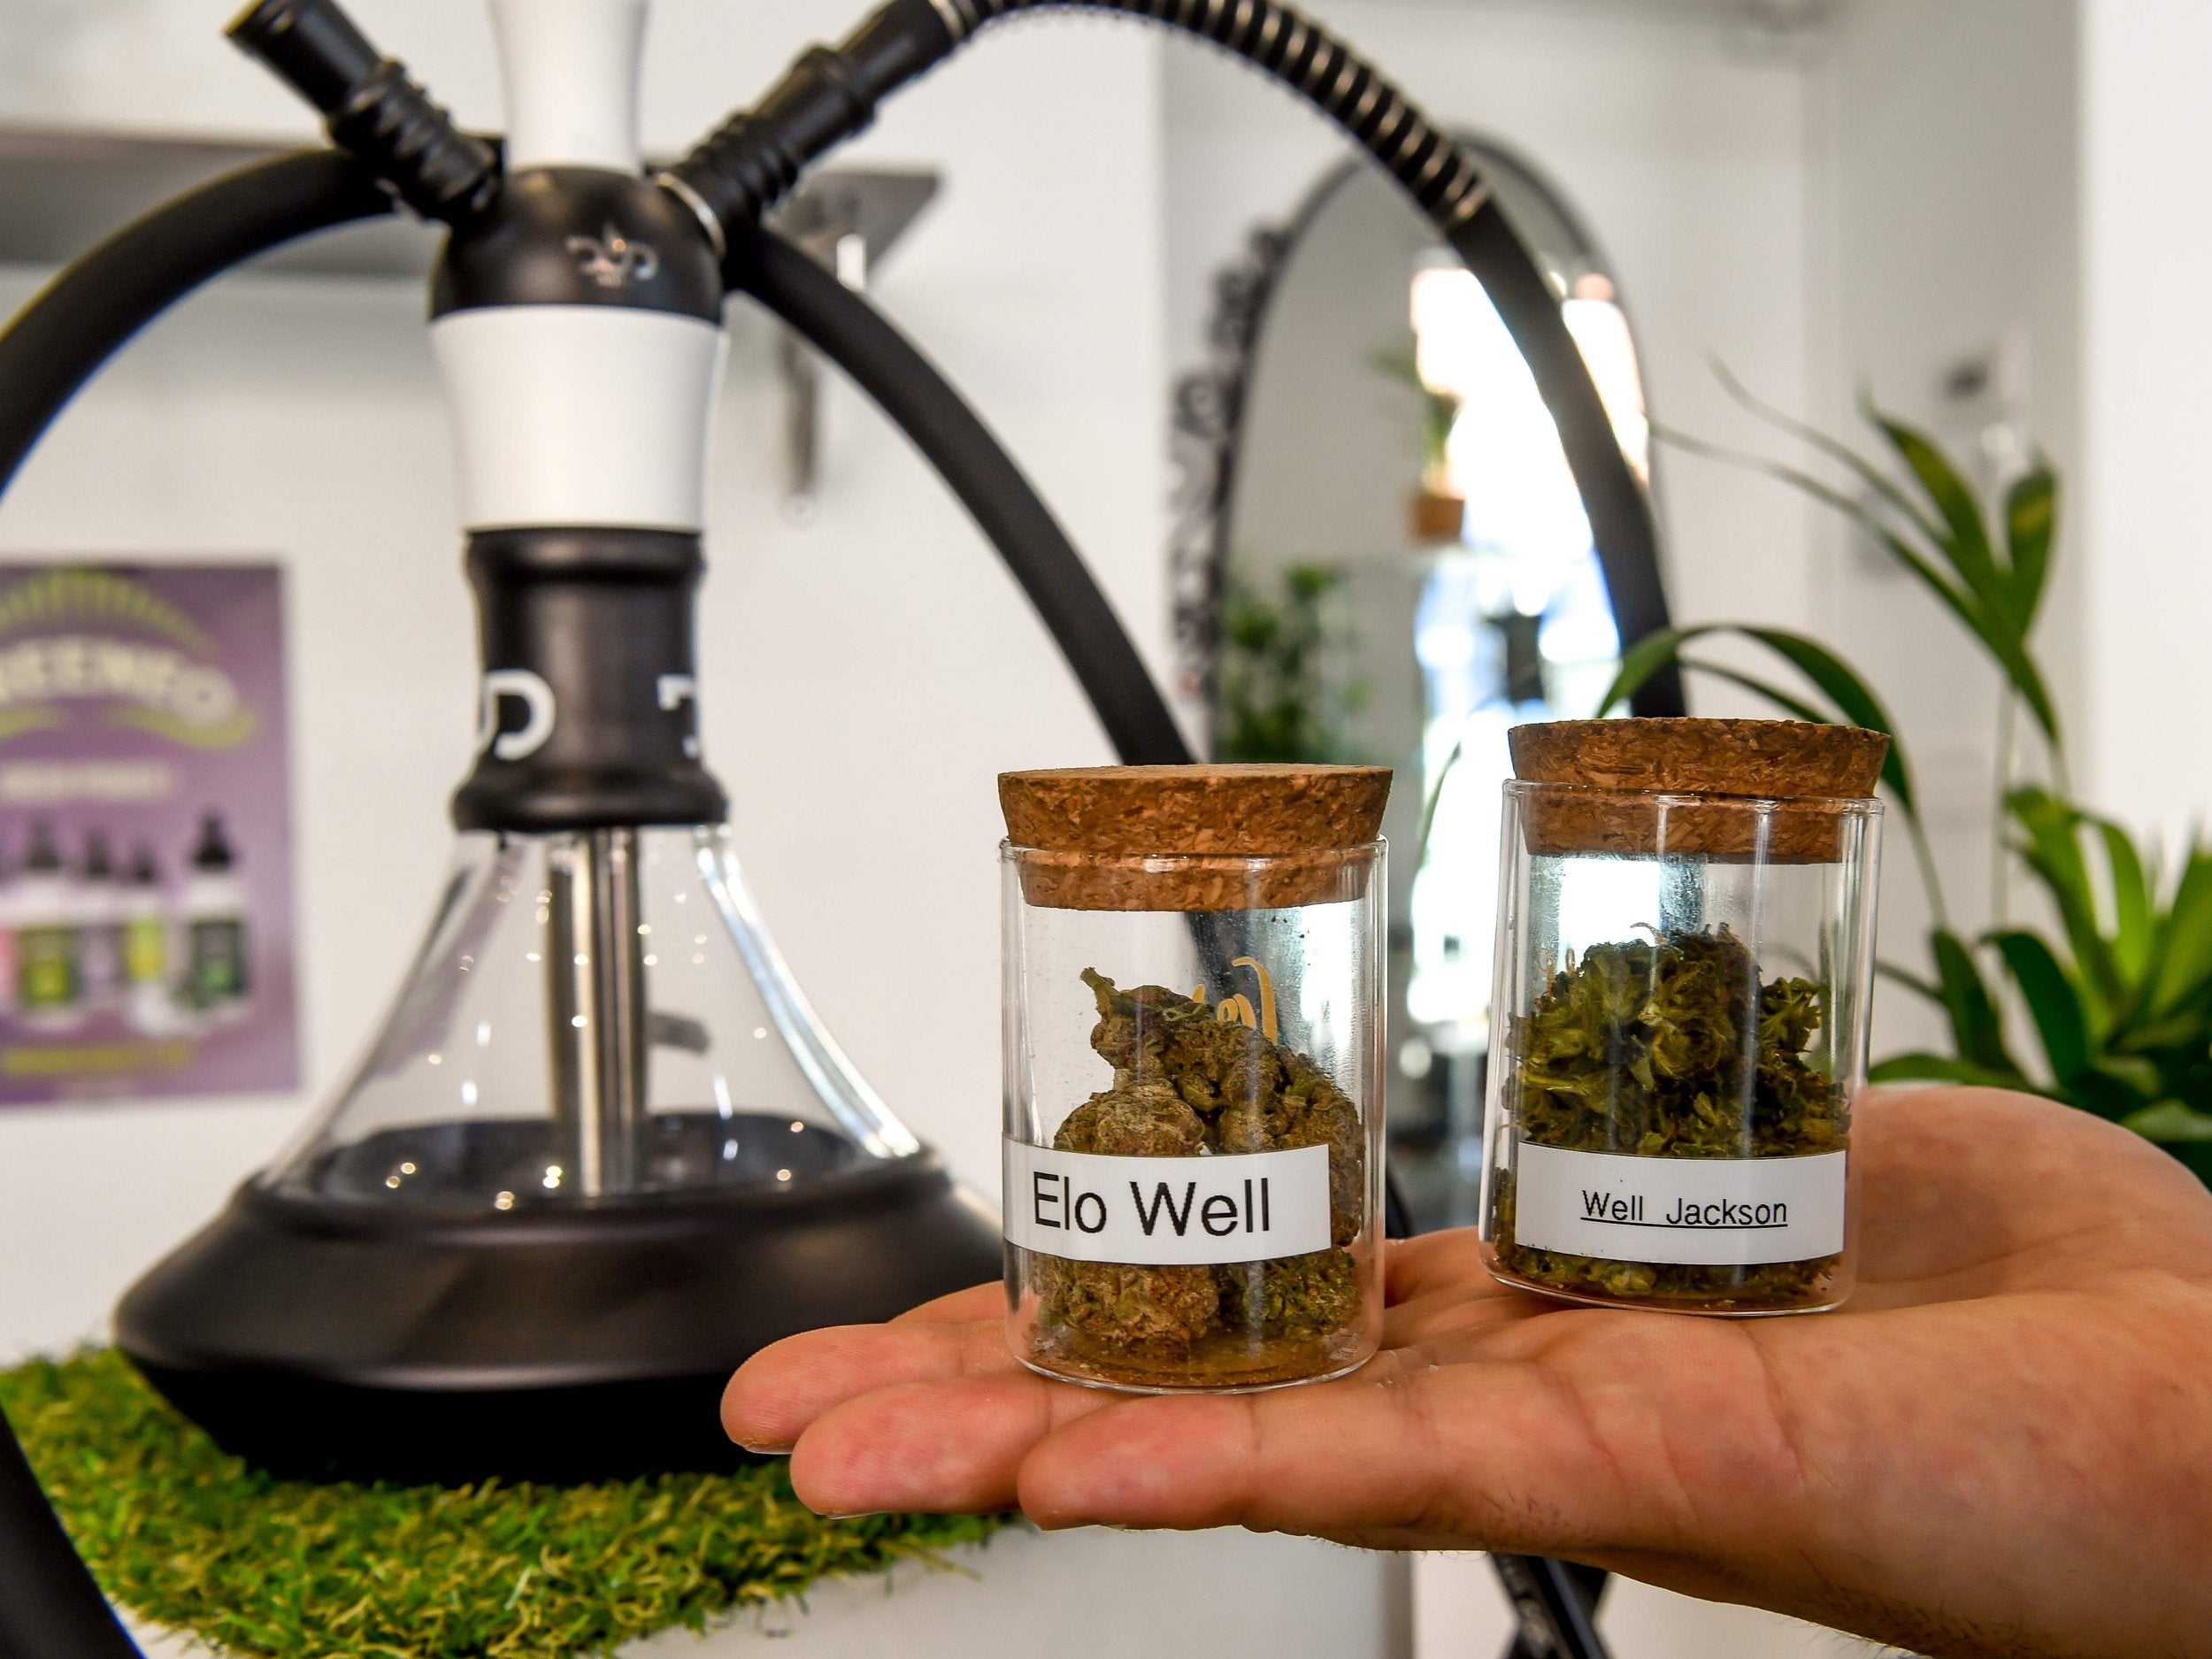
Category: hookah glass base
[549,1343]
[600,1153]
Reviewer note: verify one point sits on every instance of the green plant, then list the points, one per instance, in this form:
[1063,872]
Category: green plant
[2120,993]
[190,1537]
[1280,697]
[1439,411]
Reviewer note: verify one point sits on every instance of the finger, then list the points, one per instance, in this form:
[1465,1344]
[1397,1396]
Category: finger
[1386,1451]
[960,1306]
[775,1394]
[1559,1434]
[952,1447]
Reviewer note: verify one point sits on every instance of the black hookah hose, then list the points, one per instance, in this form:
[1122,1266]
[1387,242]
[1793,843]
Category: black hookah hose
[49,1607]
[85,314]
[749,164]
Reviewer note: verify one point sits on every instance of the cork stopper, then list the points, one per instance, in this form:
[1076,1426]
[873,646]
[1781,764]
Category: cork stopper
[1775,790]
[1194,838]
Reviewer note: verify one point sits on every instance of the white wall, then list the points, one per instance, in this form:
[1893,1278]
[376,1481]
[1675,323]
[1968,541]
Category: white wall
[2148,350]
[865,677]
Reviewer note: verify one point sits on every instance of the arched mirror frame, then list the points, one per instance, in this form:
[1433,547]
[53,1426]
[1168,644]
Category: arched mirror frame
[1209,402]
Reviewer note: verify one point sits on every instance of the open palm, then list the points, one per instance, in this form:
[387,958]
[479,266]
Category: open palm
[2002,1446]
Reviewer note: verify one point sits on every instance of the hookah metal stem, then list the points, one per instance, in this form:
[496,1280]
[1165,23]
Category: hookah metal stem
[596,993]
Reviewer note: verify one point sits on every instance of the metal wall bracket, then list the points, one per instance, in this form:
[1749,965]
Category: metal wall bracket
[847,219]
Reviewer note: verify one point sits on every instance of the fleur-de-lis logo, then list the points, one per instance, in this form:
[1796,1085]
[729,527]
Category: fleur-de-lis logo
[611,259]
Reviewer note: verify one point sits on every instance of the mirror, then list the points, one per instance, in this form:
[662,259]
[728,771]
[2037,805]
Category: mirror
[1383,558]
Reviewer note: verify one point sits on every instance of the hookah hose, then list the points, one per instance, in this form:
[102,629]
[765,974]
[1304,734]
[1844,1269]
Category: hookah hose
[752,161]
[49,1607]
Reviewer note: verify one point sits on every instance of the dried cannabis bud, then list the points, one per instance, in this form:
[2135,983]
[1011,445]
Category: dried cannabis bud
[1156,1310]
[1157,1313]
[1186,1081]
[1133,1120]
[1299,1297]
[1640,1048]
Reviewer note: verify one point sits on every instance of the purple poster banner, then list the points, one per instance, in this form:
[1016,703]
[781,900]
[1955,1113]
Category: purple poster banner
[145,833]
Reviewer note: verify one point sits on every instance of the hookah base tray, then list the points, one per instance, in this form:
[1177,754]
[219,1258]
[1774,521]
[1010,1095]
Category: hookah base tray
[332,1340]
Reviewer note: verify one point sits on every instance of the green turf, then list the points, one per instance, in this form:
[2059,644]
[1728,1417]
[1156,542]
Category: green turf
[186,1536]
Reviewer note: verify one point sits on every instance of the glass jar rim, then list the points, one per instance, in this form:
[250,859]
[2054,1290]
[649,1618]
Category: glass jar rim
[1010,848]
[1838,806]
[1051,878]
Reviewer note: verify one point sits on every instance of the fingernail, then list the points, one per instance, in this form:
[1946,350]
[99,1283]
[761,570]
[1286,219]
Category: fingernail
[849,1514]
[764,1449]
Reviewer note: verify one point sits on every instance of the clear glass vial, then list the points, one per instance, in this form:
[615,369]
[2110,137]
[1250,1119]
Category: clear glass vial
[1686,948]
[1194,1004]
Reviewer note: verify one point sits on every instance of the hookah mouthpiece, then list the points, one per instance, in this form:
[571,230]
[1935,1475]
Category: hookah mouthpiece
[371,107]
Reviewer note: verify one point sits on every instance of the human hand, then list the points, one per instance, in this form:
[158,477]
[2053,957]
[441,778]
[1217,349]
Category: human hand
[2002,1446]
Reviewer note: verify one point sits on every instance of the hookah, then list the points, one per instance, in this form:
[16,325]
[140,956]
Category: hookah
[601,1150]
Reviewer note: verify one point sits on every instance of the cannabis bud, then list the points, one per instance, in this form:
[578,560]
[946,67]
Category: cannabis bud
[1670,1048]
[1188,1082]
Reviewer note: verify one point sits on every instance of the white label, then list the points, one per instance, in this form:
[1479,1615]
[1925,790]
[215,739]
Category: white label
[1166,1212]
[1709,1212]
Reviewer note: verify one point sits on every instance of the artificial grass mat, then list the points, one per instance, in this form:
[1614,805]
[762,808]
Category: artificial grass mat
[186,1536]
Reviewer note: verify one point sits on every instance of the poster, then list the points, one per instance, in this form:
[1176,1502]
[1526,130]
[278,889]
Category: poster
[145,833]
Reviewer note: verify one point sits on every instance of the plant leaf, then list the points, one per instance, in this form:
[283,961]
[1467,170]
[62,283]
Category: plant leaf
[2131,916]
[1956,599]
[1967,546]
[2053,1003]
[2026,679]
[2113,1089]
[1910,981]
[1786,701]
[2169,1122]
[2002,628]
[2182,954]
[1977,1029]
[1985,610]
[2113,1085]
[1866,472]
[1923,1067]
[1639,663]
[2054,853]
[2030,517]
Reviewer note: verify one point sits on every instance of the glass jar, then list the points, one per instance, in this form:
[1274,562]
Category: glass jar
[1686,948]
[1195,963]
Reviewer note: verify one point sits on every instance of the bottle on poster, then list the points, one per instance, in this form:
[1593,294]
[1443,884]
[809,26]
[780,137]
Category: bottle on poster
[46,978]
[148,1005]
[97,905]
[213,909]
[7,935]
